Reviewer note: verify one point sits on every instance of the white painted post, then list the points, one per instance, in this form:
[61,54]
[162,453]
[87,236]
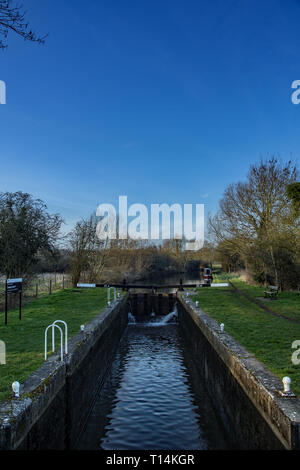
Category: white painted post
[222,327]
[197,303]
[286,384]
[16,389]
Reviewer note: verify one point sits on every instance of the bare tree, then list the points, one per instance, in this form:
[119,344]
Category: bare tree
[256,214]
[12,18]
[207,253]
[88,252]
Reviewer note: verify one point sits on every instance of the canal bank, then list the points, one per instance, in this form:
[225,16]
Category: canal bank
[56,400]
[244,391]
[224,397]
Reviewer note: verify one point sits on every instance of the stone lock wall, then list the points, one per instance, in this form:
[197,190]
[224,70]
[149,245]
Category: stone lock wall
[243,390]
[56,399]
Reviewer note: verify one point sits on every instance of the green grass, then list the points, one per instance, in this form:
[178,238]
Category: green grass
[287,302]
[25,339]
[268,337]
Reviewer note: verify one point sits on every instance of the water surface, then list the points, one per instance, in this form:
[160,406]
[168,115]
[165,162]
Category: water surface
[147,401]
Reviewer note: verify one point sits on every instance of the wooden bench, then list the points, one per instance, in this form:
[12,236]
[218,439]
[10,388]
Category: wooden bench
[272,292]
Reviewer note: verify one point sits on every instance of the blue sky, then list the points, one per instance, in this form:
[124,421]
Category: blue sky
[162,101]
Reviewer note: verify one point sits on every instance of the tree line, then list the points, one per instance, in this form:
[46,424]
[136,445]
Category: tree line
[257,225]
[31,242]
[256,229]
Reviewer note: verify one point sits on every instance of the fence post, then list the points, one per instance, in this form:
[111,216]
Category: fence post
[6,303]
[36,289]
[63,286]
[20,305]
[50,286]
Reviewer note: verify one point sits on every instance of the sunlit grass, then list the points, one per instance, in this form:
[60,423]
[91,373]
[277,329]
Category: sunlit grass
[287,302]
[25,339]
[268,337]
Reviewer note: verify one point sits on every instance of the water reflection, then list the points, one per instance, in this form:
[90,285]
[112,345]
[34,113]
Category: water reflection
[147,401]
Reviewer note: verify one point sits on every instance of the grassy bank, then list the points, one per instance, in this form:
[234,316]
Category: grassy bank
[287,302]
[269,338]
[25,339]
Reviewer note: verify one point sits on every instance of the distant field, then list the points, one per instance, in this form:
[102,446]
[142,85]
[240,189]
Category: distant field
[25,339]
[268,337]
[38,286]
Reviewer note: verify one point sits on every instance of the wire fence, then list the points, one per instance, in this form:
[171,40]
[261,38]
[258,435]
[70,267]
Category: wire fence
[38,286]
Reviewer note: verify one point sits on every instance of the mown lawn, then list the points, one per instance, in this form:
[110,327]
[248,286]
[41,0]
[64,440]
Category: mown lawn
[268,337]
[287,302]
[25,339]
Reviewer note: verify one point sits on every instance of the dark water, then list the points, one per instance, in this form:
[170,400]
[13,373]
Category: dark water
[147,401]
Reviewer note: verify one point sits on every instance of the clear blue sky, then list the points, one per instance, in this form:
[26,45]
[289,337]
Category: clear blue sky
[161,100]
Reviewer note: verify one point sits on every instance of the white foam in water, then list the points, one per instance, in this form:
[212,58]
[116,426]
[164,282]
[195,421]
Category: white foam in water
[156,320]
[131,318]
[170,318]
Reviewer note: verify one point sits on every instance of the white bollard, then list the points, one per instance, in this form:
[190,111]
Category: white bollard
[16,389]
[286,384]
[286,392]
[197,303]
[82,327]
[222,327]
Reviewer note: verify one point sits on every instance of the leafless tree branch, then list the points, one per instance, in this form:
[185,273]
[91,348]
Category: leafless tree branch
[13,18]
